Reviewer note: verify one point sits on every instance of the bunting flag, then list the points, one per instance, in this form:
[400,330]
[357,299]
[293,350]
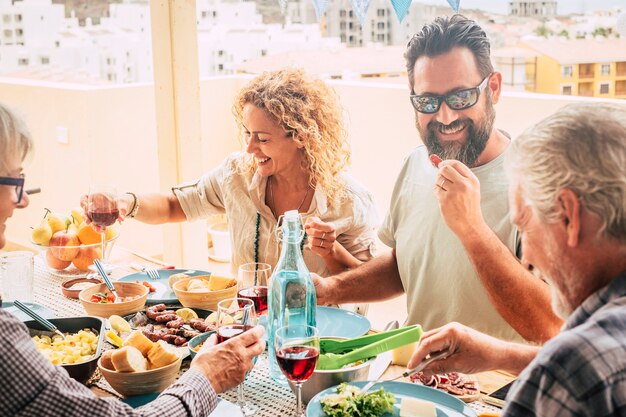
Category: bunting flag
[401,7]
[360,8]
[455,4]
[320,7]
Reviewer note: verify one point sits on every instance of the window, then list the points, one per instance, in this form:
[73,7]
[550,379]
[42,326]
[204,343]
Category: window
[19,32]
[220,52]
[380,12]
[6,18]
[567,71]
[8,33]
[342,25]
[381,25]
[220,67]
[204,15]
[18,17]
[342,13]
[263,52]
[44,60]
[22,61]
[604,88]
[605,69]
[381,37]
[566,90]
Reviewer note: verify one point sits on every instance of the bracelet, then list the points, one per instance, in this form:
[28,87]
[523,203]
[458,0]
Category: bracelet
[133,211]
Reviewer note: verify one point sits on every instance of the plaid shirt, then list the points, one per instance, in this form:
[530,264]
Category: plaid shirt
[32,386]
[582,371]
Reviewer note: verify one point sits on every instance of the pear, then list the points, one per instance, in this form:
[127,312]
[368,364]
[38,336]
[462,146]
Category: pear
[58,222]
[41,234]
[77,215]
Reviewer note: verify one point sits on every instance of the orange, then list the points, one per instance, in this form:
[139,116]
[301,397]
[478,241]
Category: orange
[87,235]
[85,257]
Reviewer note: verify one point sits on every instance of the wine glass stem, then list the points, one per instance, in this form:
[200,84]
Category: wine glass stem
[103,240]
[241,397]
[299,410]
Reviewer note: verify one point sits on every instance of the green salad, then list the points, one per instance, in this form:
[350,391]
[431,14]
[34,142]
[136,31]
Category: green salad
[349,402]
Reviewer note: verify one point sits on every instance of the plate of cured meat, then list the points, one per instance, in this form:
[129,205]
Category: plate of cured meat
[456,384]
[171,323]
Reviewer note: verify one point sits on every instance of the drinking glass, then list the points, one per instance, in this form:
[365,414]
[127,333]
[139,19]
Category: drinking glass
[253,280]
[102,209]
[297,349]
[235,316]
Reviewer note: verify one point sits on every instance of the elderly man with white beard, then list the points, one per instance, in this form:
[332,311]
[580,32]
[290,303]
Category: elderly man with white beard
[568,198]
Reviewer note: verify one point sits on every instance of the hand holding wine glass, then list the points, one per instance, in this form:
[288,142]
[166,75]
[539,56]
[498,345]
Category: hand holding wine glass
[297,350]
[234,317]
[102,209]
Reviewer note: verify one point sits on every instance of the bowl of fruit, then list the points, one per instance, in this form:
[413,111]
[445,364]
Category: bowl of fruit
[69,245]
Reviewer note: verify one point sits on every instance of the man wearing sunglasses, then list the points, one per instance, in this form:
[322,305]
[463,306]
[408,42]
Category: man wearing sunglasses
[448,223]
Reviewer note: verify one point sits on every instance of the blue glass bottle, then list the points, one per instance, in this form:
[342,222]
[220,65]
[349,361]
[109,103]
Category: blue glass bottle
[292,297]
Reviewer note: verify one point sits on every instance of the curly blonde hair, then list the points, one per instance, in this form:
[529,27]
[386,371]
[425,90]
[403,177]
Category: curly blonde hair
[310,109]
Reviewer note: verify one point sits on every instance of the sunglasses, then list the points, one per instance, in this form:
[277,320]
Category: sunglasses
[458,100]
[17,182]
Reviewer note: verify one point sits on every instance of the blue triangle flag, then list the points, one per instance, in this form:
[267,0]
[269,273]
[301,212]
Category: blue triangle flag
[401,7]
[360,8]
[320,7]
[455,4]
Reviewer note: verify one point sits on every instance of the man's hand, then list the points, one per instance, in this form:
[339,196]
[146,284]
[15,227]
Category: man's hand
[469,350]
[321,235]
[458,192]
[322,289]
[226,364]
[122,206]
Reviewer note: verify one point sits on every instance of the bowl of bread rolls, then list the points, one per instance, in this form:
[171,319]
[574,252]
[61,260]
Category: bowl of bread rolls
[140,366]
[204,291]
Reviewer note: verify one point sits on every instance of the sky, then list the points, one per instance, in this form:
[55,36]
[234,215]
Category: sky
[563,7]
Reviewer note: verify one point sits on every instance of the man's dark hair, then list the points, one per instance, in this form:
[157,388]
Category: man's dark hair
[445,33]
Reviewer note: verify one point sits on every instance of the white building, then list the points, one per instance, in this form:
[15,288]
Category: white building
[533,8]
[38,42]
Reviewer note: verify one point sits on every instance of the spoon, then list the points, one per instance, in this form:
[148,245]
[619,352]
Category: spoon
[45,323]
[105,277]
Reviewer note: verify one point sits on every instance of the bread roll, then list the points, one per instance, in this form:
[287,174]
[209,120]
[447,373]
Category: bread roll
[129,359]
[161,355]
[140,341]
[217,282]
[197,285]
[105,360]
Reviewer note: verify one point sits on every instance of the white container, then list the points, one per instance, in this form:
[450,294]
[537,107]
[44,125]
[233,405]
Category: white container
[220,236]
[17,275]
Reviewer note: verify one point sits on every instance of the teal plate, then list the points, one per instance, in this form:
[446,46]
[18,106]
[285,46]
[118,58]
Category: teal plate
[163,294]
[44,312]
[337,322]
[446,404]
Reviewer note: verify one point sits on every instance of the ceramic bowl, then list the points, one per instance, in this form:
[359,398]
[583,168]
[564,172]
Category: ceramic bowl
[196,341]
[123,289]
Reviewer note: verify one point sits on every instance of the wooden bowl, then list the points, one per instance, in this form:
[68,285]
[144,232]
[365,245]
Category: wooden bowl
[70,289]
[205,299]
[123,289]
[146,382]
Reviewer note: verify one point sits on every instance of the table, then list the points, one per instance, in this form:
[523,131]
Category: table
[271,398]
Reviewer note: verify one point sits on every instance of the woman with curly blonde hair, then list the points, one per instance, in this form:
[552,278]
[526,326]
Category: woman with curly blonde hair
[296,153]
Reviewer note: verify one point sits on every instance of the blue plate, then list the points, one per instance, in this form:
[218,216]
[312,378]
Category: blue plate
[337,322]
[163,294]
[44,312]
[446,404]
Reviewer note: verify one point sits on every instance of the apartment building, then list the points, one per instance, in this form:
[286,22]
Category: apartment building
[533,8]
[582,67]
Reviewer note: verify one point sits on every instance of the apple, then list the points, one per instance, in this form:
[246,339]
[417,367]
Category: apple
[54,262]
[67,242]
[85,257]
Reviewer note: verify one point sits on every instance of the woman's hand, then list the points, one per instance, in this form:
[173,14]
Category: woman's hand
[321,236]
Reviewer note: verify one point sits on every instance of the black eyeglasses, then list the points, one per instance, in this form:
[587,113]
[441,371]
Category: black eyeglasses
[17,182]
[458,100]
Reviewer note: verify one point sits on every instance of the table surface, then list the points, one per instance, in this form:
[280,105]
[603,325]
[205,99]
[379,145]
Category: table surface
[272,398]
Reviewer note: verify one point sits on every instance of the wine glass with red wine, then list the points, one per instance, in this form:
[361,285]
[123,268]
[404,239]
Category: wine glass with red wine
[235,316]
[253,280]
[102,209]
[297,349]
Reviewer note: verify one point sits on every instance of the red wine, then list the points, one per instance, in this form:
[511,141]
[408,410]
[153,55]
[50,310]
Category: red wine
[103,218]
[297,362]
[258,295]
[226,332]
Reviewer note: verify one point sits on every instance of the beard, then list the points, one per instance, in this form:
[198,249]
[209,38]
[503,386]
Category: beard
[478,133]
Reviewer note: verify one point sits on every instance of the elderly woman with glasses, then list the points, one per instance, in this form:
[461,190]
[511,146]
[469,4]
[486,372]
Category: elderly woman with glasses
[295,156]
[31,386]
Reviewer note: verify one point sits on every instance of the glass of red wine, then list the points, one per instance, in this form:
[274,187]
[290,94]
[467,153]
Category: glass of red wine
[235,316]
[253,280]
[297,349]
[102,209]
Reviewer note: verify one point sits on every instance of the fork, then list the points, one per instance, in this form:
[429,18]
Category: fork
[152,273]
